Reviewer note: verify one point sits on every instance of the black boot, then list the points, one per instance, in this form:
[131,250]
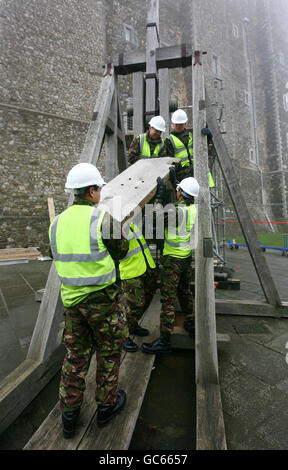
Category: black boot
[139,331]
[69,419]
[160,345]
[130,346]
[189,325]
[106,413]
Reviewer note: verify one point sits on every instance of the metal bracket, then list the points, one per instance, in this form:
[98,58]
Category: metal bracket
[208,248]
[149,25]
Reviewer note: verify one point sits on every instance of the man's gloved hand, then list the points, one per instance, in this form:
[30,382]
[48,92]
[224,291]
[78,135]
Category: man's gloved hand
[160,188]
[173,178]
[206,131]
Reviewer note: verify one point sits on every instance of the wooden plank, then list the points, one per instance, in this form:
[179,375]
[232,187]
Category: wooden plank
[111,139]
[152,42]
[96,131]
[206,357]
[122,149]
[166,57]
[231,179]
[134,376]
[19,253]
[134,187]
[210,433]
[250,308]
[210,428]
[49,317]
[51,208]
[164,97]
[174,56]
[19,388]
[138,103]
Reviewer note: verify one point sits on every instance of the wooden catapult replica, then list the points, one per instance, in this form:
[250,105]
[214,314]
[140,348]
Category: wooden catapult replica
[137,183]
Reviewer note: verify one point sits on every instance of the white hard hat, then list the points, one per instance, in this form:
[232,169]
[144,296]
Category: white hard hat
[179,117]
[158,123]
[190,186]
[83,175]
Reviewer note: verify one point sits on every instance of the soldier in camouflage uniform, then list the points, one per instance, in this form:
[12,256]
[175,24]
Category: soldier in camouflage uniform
[175,272]
[139,276]
[179,144]
[150,144]
[95,318]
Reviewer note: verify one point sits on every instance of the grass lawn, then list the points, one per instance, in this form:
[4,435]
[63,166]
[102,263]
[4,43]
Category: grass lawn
[267,239]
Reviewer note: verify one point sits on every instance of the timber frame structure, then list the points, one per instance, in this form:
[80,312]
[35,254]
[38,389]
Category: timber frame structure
[150,74]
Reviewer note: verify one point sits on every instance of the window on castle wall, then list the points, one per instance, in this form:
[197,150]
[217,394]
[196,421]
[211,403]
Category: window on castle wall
[285,102]
[246,97]
[281,58]
[215,65]
[287,140]
[252,156]
[235,31]
[128,33]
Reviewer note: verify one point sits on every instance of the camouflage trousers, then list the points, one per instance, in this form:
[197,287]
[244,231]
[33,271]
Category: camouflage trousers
[138,293]
[96,324]
[175,279]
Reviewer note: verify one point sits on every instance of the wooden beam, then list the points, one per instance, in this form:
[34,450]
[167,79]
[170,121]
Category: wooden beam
[111,139]
[19,388]
[233,186]
[210,424]
[166,57]
[174,56]
[210,431]
[152,42]
[138,103]
[51,208]
[96,131]
[121,145]
[251,308]
[164,98]
[49,318]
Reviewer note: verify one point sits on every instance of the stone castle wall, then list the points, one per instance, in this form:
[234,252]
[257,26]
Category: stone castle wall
[52,56]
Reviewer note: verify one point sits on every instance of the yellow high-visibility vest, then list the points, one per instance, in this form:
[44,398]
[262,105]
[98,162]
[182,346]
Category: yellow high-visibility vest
[180,151]
[82,261]
[178,240]
[134,263]
[145,151]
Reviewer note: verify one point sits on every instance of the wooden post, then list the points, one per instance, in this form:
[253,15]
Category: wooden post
[152,42]
[96,131]
[164,98]
[138,103]
[210,431]
[51,208]
[111,138]
[210,424]
[122,150]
